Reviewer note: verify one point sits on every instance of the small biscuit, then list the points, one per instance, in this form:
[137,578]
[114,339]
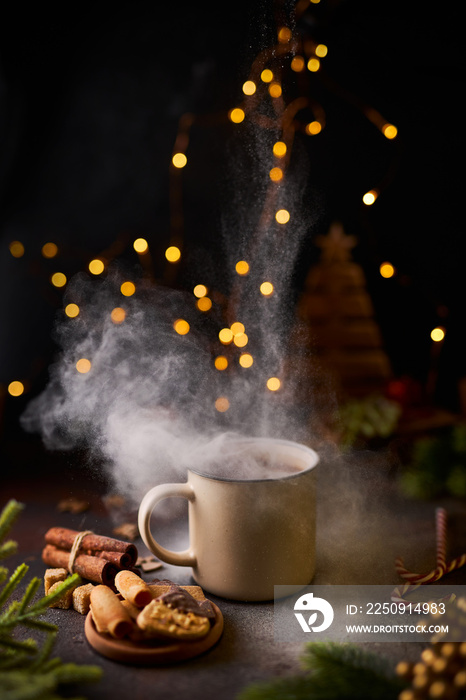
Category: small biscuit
[158,620]
[82,598]
[66,600]
[52,576]
[159,589]
[180,599]
[133,588]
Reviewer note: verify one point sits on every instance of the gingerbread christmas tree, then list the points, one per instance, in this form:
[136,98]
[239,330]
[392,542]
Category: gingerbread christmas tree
[337,313]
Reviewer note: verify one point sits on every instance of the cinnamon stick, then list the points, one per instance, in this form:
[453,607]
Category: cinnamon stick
[94,569]
[63,538]
[123,560]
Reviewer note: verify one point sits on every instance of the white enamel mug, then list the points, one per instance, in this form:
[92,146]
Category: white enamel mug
[246,535]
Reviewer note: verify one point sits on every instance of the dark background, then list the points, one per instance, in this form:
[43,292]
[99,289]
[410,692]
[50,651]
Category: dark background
[90,98]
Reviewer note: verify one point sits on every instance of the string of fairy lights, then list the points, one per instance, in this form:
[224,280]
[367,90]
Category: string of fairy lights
[290,56]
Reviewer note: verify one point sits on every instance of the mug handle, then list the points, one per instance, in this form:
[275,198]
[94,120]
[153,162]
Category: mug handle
[148,503]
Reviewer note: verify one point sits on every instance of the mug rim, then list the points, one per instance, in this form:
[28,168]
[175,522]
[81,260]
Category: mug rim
[272,441]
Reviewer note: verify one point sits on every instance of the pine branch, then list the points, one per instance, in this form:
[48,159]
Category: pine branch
[51,664]
[332,672]
[8,616]
[41,625]
[8,517]
[31,590]
[330,656]
[27,671]
[43,656]
[16,685]
[7,549]
[29,645]
[354,672]
[75,673]
[13,582]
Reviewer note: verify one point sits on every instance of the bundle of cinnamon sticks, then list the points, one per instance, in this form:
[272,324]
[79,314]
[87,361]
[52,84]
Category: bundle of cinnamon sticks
[98,558]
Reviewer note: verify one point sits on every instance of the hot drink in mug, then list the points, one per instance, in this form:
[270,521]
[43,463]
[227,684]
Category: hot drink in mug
[251,523]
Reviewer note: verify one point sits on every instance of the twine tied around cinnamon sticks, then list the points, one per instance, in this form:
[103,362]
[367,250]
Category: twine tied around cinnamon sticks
[75,549]
[94,557]
[414,580]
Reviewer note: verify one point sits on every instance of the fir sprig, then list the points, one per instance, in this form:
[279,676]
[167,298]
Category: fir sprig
[27,670]
[8,517]
[332,671]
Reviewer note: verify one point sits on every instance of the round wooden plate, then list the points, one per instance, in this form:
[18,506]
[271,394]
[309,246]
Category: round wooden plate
[151,652]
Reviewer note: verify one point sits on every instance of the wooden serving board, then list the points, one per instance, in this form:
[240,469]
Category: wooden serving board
[151,652]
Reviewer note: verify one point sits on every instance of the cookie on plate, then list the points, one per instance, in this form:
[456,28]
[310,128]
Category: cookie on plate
[159,620]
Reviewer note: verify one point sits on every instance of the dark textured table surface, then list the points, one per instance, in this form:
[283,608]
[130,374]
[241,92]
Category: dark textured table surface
[362,524]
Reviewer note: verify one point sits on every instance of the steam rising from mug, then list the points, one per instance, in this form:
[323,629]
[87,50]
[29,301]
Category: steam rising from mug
[147,405]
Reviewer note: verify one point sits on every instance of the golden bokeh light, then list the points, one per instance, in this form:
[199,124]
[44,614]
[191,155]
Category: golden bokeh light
[204,304]
[246,359]
[225,336]
[173,253]
[298,64]
[389,131]
[96,266]
[140,245]
[236,115]
[15,388]
[222,404]
[279,149]
[58,279]
[282,216]
[242,267]
[266,75]
[437,334]
[179,160]
[321,50]
[16,248]
[128,288]
[313,128]
[276,174]
[83,365]
[118,315]
[49,250]
[249,87]
[237,327]
[240,340]
[284,35]
[370,197]
[313,65]
[275,90]
[181,326]
[221,362]
[387,270]
[266,288]
[200,290]
[273,384]
[72,310]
